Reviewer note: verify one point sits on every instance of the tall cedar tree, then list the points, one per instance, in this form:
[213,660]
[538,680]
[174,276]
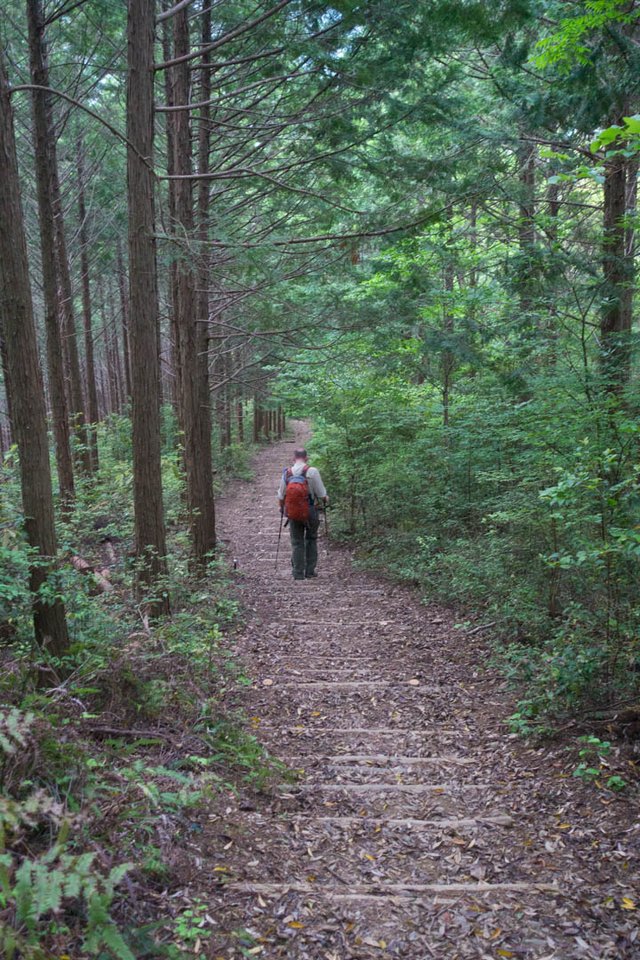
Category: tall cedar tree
[87,312]
[25,386]
[143,299]
[49,183]
[44,162]
[193,417]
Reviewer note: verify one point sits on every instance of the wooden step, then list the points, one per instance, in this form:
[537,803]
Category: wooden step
[391,891]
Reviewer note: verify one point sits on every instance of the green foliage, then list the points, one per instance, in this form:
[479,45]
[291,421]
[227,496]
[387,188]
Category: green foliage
[191,924]
[36,890]
[515,491]
[574,39]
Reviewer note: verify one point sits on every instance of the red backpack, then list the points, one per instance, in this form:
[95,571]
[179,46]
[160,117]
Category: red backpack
[297,498]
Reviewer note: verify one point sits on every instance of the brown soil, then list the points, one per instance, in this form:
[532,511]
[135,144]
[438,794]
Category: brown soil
[419,827]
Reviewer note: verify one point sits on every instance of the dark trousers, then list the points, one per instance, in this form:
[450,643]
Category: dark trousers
[304,547]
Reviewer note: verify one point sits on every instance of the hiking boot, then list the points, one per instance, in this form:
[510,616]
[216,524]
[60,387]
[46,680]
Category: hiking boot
[310,575]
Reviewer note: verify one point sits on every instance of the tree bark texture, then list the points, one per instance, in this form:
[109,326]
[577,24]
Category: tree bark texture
[87,318]
[64,292]
[44,160]
[169,82]
[615,326]
[68,323]
[26,385]
[147,477]
[202,304]
[193,414]
[124,311]
[448,357]
[5,376]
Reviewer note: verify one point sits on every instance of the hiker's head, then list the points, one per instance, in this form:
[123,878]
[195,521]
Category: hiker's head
[300,454]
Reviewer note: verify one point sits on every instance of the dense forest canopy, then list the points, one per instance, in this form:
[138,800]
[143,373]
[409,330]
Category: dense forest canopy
[412,222]
[415,222]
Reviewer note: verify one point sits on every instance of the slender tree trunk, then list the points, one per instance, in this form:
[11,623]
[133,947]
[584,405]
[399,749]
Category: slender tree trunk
[448,359]
[526,225]
[473,243]
[112,390]
[256,419]
[68,325]
[114,352]
[42,121]
[170,95]
[226,399]
[615,325]
[124,312]
[39,66]
[193,415]
[26,385]
[553,209]
[202,309]
[92,395]
[5,376]
[240,420]
[103,405]
[147,466]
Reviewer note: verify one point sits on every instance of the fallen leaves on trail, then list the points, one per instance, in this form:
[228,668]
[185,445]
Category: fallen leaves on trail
[510,813]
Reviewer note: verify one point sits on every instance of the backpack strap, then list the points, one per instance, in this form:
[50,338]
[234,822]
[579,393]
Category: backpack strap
[287,474]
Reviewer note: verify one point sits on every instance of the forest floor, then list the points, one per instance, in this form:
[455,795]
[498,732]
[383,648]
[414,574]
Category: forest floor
[417,825]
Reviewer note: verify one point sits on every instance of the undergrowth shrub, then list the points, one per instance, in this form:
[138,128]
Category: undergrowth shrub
[44,885]
[501,512]
[131,735]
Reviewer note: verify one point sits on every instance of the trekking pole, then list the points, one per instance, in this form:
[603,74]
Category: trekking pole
[279,537]
[326,529]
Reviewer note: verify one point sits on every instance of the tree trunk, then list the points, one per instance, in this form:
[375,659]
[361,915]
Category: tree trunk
[42,121]
[448,359]
[92,394]
[147,466]
[240,420]
[256,419]
[5,376]
[225,396]
[26,386]
[117,378]
[615,325]
[193,417]
[124,311]
[68,324]
[202,311]
[46,140]
[169,92]
[526,225]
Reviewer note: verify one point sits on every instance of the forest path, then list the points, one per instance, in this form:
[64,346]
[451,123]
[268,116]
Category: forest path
[418,828]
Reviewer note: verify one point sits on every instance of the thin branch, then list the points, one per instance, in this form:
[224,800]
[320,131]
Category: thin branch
[62,12]
[225,39]
[81,106]
[173,10]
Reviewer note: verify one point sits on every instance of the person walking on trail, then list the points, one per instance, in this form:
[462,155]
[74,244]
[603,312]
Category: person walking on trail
[300,494]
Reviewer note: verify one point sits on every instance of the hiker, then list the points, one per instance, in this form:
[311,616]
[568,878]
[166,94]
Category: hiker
[300,493]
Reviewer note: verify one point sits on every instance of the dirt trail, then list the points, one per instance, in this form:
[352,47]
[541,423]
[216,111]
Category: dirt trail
[419,827]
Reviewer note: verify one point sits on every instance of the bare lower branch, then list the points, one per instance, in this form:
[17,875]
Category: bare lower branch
[173,10]
[225,39]
[76,103]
